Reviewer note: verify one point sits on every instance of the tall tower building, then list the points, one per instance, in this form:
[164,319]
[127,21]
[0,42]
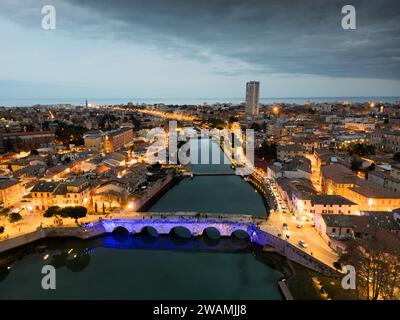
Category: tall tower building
[252,98]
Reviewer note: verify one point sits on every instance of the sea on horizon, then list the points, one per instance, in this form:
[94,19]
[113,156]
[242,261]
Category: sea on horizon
[183,101]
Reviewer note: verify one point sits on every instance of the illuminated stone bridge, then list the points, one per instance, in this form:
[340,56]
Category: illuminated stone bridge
[198,223]
[195,223]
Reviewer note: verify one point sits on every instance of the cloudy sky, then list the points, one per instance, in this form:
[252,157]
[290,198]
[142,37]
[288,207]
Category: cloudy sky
[198,49]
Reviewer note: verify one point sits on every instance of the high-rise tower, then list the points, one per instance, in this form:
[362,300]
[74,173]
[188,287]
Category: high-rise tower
[252,98]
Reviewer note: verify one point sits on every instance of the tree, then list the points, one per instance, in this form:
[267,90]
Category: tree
[74,212]
[53,211]
[267,151]
[396,156]
[14,217]
[155,167]
[135,121]
[34,152]
[377,265]
[4,212]
[215,123]
[1,229]
[337,265]
[360,149]
[67,134]
[355,164]
[255,126]
[371,167]
[67,160]
[233,119]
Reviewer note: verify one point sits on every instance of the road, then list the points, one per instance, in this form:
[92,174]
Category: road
[317,247]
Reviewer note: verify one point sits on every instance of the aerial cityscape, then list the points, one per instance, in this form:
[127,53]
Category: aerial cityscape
[287,189]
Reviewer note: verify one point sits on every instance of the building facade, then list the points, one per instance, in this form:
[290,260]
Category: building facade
[25,141]
[252,98]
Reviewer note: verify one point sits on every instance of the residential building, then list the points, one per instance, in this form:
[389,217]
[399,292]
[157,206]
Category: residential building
[252,99]
[289,151]
[25,141]
[109,141]
[11,191]
[45,194]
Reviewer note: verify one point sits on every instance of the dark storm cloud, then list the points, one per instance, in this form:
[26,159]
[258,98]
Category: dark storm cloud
[294,37]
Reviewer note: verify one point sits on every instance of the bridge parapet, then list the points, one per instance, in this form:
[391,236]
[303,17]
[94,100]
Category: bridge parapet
[245,218]
[196,227]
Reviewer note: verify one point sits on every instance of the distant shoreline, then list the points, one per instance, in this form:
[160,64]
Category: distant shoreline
[12,102]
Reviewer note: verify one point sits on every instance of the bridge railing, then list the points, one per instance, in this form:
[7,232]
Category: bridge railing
[186,215]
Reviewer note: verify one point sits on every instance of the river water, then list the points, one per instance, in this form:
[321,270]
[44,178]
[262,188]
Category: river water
[120,266]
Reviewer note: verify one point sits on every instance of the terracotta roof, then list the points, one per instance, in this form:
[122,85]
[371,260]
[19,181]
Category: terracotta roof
[6,183]
[339,174]
[330,200]
[369,190]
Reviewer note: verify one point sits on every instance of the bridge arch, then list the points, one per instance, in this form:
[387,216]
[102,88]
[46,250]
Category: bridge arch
[120,234]
[150,231]
[212,233]
[121,230]
[240,234]
[181,232]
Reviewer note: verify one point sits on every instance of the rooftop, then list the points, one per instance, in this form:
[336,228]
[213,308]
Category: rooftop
[45,186]
[331,200]
[339,174]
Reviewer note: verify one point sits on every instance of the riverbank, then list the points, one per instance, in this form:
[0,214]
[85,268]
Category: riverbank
[156,192]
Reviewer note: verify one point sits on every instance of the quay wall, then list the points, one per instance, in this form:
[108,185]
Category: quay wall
[291,252]
[155,192]
[52,232]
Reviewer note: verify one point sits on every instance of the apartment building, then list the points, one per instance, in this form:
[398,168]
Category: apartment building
[109,141]
[338,180]
[45,194]
[289,151]
[11,191]
[359,125]
[252,98]
[387,177]
[25,141]
[386,140]
[117,139]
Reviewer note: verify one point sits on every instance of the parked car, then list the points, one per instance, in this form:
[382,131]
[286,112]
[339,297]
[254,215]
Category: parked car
[299,225]
[303,244]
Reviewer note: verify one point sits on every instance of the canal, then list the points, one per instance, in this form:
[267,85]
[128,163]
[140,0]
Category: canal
[121,266]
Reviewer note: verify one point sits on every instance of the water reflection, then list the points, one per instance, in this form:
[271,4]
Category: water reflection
[4,272]
[75,260]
